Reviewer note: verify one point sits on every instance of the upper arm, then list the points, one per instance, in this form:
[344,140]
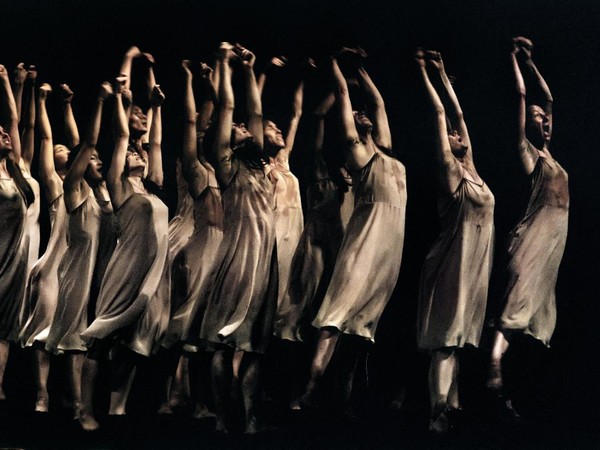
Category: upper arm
[528,155]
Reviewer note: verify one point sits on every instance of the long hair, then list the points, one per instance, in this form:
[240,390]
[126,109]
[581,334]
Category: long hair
[20,181]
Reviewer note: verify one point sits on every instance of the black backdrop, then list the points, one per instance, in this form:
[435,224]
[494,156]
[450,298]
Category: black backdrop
[82,43]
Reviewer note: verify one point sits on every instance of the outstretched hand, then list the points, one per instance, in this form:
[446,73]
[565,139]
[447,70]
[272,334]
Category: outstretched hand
[157,97]
[106,90]
[185,65]
[523,45]
[226,52]
[278,61]
[434,59]
[45,90]
[205,71]
[246,56]
[133,52]
[20,73]
[420,57]
[3,73]
[31,73]
[66,93]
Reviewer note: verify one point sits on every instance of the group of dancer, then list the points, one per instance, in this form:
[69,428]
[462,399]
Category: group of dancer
[239,266]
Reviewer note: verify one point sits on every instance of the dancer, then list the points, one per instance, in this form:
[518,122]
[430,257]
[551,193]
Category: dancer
[289,220]
[41,295]
[130,316]
[76,269]
[242,300]
[455,276]
[537,243]
[15,197]
[373,240]
[25,78]
[199,254]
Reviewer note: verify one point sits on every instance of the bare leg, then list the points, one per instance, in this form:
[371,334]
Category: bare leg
[327,341]
[498,350]
[180,392]
[165,404]
[4,349]
[441,375]
[236,363]
[41,368]
[250,377]
[453,399]
[199,376]
[89,372]
[123,375]
[349,356]
[74,369]
[221,374]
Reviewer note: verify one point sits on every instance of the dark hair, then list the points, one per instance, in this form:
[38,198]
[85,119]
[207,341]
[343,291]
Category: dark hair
[20,181]
[250,153]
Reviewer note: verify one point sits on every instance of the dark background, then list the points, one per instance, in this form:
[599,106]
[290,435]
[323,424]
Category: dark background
[82,43]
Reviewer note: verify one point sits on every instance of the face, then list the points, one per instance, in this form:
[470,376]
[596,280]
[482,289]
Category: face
[135,162]
[538,123]
[61,155]
[138,122]
[458,147]
[273,135]
[239,134]
[93,172]
[5,142]
[362,122]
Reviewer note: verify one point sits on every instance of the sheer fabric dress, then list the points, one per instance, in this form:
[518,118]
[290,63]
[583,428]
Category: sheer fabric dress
[368,263]
[536,248]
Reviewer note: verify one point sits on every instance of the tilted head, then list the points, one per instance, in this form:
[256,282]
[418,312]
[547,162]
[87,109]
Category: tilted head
[362,122]
[61,156]
[274,140]
[5,142]
[138,122]
[537,127]
[458,147]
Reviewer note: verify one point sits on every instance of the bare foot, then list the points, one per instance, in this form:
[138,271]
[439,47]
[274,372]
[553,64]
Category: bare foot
[495,377]
[88,422]
[76,410]
[220,426]
[201,411]
[165,408]
[41,404]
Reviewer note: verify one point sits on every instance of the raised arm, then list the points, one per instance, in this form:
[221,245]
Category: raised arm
[155,166]
[150,83]
[222,145]
[12,119]
[128,58]
[276,61]
[207,106]
[452,105]
[117,185]
[49,178]
[19,86]
[527,156]
[74,184]
[71,130]
[194,172]
[359,154]
[253,102]
[319,121]
[449,174]
[381,127]
[29,120]
[297,102]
